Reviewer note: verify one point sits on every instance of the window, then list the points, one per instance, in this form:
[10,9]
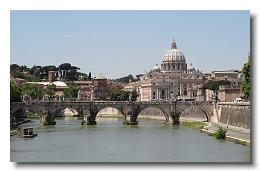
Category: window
[171,83]
[153,93]
[153,83]
[163,92]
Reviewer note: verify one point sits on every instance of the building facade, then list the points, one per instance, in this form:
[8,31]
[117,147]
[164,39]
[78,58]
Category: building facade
[173,79]
[100,88]
[229,93]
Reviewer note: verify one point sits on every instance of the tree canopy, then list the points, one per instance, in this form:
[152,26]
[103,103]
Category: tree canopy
[33,91]
[15,92]
[121,95]
[71,91]
[50,90]
[246,75]
[214,85]
[65,71]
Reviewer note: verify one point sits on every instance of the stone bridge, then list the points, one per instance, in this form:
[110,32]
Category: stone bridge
[88,110]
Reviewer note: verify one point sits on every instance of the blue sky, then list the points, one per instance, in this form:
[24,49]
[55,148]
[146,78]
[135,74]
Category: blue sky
[118,43]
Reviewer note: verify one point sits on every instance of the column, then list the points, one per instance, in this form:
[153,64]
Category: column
[180,89]
[157,93]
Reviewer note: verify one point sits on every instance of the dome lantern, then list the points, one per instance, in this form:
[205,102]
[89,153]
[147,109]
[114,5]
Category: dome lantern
[174,45]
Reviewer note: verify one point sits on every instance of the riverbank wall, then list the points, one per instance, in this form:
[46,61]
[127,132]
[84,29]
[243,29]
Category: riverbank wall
[237,114]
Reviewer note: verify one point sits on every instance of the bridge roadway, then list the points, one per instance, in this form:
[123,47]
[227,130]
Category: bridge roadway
[88,110]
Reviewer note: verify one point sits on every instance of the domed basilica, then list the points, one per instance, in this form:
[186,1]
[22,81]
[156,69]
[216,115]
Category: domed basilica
[173,79]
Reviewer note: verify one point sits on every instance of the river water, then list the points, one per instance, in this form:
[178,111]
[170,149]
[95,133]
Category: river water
[110,141]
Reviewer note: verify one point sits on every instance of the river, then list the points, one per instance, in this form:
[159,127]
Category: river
[110,141]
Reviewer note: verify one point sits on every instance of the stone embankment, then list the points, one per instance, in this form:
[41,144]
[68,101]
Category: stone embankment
[234,134]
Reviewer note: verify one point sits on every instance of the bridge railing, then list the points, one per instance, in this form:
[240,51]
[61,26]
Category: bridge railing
[166,102]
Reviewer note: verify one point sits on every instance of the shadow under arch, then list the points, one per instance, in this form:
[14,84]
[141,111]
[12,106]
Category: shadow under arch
[142,109]
[197,107]
[17,114]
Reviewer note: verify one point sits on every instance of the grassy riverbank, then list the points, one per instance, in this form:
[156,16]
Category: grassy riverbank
[193,124]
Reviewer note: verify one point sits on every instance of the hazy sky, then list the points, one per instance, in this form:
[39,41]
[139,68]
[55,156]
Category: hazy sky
[118,43]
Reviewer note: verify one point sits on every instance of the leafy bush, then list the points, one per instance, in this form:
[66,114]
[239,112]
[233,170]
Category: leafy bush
[220,133]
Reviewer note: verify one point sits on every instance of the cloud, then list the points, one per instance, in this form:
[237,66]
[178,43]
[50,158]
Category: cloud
[95,33]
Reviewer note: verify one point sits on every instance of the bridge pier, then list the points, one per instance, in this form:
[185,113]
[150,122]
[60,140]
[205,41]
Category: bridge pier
[46,120]
[132,120]
[87,120]
[91,121]
[175,118]
[84,120]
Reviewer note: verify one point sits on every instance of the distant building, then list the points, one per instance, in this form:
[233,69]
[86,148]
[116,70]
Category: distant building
[174,79]
[100,88]
[85,89]
[18,81]
[134,86]
[51,76]
[225,93]
[229,93]
[234,76]
[114,85]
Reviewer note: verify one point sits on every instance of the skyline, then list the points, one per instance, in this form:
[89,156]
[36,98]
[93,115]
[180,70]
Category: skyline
[129,42]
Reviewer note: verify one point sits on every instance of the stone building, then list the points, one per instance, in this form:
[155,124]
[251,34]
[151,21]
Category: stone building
[234,76]
[51,76]
[225,93]
[85,89]
[114,85]
[229,93]
[173,79]
[100,88]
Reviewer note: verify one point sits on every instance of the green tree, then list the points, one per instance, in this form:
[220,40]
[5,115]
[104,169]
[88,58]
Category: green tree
[114,95]
[124,95]
[214,85]
[15,92]
[71,91]
[246,81]
[134,95]
[18,74]
[119,95]
[50,90]
[15,68]
[33,91]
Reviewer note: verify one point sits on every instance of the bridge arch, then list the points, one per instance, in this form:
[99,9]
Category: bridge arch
[112,109]
[204,111]
[97,109]
[162,109]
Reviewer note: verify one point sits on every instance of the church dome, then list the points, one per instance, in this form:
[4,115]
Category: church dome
[174,60]
[174,54]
